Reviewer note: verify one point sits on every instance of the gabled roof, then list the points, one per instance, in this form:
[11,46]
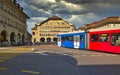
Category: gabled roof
[113,19]
[34,28]
[52,18]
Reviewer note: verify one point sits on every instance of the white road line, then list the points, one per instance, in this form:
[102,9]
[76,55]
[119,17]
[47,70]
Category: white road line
[2,68]
[83,55]
[2,60]
[92,55]
[29,71]
[113,55]
[99,55]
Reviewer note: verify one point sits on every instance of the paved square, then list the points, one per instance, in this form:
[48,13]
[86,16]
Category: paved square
[53,60]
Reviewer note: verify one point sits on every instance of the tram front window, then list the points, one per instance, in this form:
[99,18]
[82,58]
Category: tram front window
[115,40]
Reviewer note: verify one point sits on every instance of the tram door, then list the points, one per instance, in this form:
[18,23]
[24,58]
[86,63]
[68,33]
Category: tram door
[76,41]
[59,40]
[86,41]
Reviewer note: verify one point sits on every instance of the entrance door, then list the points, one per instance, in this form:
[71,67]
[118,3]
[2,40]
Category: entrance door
[76,41]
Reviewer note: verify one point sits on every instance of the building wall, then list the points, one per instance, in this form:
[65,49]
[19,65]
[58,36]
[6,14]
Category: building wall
[50,29]
[12,23]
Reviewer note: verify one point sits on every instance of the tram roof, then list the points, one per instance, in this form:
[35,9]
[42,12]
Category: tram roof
[75,32]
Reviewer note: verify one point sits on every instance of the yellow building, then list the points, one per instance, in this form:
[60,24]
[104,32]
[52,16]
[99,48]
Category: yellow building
[47,30]
[13,28]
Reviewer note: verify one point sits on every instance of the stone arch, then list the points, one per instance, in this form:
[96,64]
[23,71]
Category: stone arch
[3,37]
[42,40]
[19,39]
[48,40]
[54,39]
[12,38]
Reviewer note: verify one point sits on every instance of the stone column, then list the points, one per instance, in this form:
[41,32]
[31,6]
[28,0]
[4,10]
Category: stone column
[45,40]
[8,39]
[52,40]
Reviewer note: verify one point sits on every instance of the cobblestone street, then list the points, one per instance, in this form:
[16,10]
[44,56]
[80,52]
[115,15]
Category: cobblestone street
[54,60]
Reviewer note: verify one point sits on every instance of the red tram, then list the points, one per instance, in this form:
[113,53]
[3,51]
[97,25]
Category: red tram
[105,40]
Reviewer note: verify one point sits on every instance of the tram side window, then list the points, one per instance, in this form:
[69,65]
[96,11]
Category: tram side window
[94,37]
[66,38]
[81,38]
[104,37]
[115,39]
[63,38]
[70,38]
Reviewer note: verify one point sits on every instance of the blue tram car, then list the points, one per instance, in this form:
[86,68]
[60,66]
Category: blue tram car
[72,40]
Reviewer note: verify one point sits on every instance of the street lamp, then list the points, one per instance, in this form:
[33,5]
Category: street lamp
[33,49]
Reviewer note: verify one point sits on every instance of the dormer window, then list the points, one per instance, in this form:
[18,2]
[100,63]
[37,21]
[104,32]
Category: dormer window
[33,33]
[13,0]
[1,4]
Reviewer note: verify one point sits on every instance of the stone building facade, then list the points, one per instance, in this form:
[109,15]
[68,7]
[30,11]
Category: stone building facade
[13,28]
[48,30]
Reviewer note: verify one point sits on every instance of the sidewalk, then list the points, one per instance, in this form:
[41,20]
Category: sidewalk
[16,49]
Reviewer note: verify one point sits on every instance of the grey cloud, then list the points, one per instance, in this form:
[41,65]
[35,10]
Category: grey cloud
[93,1]
[55,8]
[35,12]
[57,0]
[101,8]
[81,1]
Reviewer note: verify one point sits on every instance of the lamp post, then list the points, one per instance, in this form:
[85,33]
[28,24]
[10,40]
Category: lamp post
[33,48]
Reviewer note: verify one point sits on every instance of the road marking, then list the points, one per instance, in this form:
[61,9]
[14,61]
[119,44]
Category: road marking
[2,68]
[4,58]
[23,48]
[113,55]
[99,55]
[110,55]
[28,71]
[92,55]
[1,60]
[83,55]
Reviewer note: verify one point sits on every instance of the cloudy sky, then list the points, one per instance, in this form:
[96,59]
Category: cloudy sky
[78,12]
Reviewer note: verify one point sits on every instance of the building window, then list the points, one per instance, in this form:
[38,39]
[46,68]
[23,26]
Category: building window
[4,7]
[94,37]
[115,40]
[58,23]
[104,37]
[1,19]
[33,33]
[34,40]
[1,4]
[63,23]
[50,23]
